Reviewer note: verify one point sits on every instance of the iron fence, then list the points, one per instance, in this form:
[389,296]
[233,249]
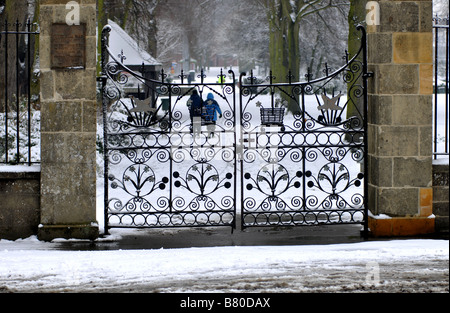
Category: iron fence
[441,87]
[19,110]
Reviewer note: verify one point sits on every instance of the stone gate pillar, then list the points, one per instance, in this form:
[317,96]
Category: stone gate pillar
[67,49]
[400,52]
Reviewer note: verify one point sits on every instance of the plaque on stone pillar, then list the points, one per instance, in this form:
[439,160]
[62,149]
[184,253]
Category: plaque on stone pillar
[68,46]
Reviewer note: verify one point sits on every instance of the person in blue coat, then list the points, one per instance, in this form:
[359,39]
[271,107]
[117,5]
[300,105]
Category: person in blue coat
[210,110]
[195,104]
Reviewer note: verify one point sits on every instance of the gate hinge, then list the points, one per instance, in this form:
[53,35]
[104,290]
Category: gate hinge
[368,75]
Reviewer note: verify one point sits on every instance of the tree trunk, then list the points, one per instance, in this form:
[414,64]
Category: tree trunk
[15,11]
[102,20]
[284,48]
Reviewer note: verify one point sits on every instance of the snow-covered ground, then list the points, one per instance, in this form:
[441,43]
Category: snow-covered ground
[374,266]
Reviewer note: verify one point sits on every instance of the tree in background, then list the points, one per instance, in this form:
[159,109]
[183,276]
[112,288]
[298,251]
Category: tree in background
[246,35]
[356,16]
[285,17]
[20,11]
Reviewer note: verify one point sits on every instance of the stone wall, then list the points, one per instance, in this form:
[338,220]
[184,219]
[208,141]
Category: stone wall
[20,204]
[441,197]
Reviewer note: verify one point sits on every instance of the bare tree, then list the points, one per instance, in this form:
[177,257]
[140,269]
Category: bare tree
[246,34]
[193,24]
[285,17]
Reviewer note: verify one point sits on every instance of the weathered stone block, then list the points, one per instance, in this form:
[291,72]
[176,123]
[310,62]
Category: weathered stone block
[441,194]
[68,179]
[441,208]
[61,116]
[426,79]
[19,204]
[372,200]
[75,84]
[412,172]
[379,48]
[45,20]
[426,16]
[89,123]
[395,79]
[68,148]
[413,48]
[398,201]
[44,57]
[442,224]
[372,134]
[380,110]
[69,84]
[19,186]
[412,110]
[426,141]
[401,16]
[47,87]
[401,227]
[380,171]
[426,202]
[91,48]
[440,175]
[397,141]
[63,209]
[83,231]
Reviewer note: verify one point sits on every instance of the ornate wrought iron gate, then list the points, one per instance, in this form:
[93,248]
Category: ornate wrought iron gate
[166,166]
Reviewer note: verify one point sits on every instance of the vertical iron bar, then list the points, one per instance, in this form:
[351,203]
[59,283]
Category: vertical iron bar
[171,148]
[436,62]
[447,88]
[6,91]
[17,95]
[366,137]
[29,90]
[0,46]
[234,144]
[105,152]
[241,148]
[104,77]
[303,148]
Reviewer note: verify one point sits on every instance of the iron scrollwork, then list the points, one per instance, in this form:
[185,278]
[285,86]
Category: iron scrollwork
[302,157]
[158,171]
[312,166]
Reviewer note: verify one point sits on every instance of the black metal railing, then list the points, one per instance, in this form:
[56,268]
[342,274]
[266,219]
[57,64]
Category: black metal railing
[19,111]
[441,87]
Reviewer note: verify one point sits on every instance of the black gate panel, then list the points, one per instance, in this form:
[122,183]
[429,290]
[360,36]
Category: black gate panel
[291,154]
[307,167]
[163,166]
